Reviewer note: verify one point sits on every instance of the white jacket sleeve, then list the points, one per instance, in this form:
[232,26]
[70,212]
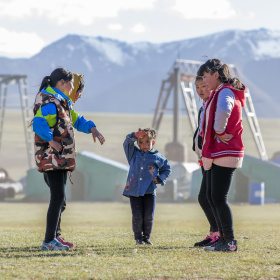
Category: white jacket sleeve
[225,105]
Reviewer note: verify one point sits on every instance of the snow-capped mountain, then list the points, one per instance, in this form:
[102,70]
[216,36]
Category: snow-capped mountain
[126,77]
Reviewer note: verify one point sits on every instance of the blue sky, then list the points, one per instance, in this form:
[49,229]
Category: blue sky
[28,26]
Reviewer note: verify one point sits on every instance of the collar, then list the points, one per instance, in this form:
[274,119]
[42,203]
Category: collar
[152,151]
[57,94]
[213,92]
[219,87]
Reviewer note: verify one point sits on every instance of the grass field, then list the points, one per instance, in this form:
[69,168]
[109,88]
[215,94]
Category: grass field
[104,245]
[105,249]
[114,127]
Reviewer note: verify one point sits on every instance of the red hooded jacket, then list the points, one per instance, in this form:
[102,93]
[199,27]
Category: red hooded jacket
[212,146]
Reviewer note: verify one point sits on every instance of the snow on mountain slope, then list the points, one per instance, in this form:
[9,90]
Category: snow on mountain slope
[118,73]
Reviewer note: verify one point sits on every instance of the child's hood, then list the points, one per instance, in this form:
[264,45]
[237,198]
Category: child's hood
[58,94]
[241,94]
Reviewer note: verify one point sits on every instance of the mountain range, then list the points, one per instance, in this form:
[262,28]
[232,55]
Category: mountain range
[126,77]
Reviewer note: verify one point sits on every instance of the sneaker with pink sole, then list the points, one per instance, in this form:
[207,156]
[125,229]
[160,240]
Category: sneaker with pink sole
[67,243]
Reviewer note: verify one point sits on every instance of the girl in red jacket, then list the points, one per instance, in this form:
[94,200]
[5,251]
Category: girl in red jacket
[222,150]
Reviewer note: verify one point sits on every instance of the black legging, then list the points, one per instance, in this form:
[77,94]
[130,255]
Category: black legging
[143,208]
[56,181]
[63,207]
[204,202]
[218,183]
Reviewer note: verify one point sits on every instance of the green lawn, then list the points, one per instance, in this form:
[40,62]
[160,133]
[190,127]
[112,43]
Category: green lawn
[102,233]
[105,247]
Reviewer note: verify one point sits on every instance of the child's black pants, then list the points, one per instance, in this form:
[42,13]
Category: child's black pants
[56,181]
[219,179]
[143,208]
[204,202]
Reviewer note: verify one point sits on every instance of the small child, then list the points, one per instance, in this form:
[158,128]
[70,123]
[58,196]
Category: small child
[147,168]
[204,93]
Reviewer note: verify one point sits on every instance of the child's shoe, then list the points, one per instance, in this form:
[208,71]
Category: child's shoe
[213,241]
[54,245]
[139,241]
[63,242]
[226,246]
[202,243]
[210,246]
[147,241]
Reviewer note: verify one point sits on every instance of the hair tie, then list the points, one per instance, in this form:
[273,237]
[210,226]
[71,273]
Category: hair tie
[48,79]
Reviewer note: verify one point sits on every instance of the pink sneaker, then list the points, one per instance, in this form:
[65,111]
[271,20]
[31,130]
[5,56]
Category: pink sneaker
[63,242]
[214,239]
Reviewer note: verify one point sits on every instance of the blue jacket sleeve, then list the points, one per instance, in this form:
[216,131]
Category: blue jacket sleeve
[164,172]
[43,120]
[129,147]
[82,125]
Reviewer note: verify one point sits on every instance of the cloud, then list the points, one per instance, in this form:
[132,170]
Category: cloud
[251,15]
[17,44]
[138,28]
[115,26]
[64,11]
[204,9]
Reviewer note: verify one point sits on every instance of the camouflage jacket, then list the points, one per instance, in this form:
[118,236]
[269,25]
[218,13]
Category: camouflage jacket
[46,157]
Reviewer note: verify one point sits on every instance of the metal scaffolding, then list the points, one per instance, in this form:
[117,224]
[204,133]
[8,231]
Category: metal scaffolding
[181,79]
[254,125]
[22,82]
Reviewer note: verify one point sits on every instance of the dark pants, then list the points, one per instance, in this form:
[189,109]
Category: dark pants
[143,208]
[56,180]
[218,183]
[204,202]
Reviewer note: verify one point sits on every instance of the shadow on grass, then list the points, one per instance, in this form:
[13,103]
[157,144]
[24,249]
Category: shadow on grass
[129,251]
[35,251]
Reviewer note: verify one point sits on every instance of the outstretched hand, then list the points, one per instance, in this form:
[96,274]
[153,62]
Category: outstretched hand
[96,134]
[225,138]
[140,134]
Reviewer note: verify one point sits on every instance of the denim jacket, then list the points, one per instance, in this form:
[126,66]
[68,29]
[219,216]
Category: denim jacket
[144,167]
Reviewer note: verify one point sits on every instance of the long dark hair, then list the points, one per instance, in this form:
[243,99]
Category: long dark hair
[215,65]
[56,75]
